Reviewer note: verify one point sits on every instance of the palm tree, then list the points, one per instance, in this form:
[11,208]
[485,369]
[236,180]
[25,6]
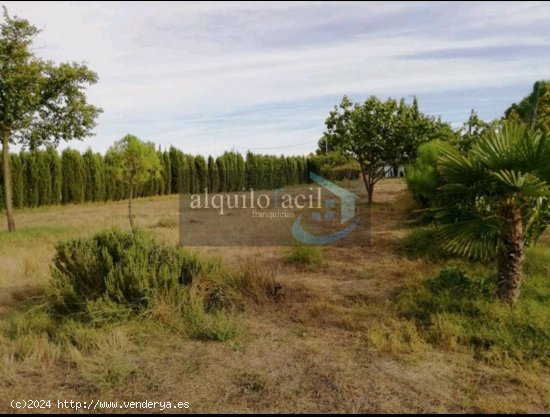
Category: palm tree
[497,200]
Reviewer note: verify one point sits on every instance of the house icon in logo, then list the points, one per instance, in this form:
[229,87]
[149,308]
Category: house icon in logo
[347,213]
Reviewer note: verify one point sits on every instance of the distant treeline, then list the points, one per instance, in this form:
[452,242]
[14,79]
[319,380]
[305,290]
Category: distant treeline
[45,177]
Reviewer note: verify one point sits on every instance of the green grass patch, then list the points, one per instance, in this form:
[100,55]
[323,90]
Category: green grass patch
[454,310]
[167,223]
[304,255]
[35,232]
[421,243]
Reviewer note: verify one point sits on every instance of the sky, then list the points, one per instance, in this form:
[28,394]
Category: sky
[208,77]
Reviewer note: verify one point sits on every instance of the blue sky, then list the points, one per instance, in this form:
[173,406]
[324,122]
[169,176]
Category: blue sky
[209,77]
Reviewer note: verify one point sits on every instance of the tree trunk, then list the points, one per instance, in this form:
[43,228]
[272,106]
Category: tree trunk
[510,256]
[369,185]
[7,179]
[130,215]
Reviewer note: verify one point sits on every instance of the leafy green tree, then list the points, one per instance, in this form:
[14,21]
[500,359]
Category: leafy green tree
[115,188]
[470,132]
[533,110]
[135,162]
[497,199]
[380,135]
[41,102]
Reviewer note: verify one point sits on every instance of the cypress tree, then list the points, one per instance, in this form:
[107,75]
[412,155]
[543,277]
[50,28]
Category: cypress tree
[191,175]
[74,174]
[241,172]
[30,179]
[18,182]
[230,171]
[44,178]
[54,165]
[222,174]
[213,176]
[167,173]
[176,168]
[95,176]
[185,175]
[251,171]
[201,172]
[302,168]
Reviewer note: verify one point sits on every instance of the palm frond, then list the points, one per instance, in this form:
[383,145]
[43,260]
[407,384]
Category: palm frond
[525,184]
[497,150]
[474,238]
[454,167]
[510,165]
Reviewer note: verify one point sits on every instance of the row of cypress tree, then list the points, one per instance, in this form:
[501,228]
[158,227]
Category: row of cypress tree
[45,177]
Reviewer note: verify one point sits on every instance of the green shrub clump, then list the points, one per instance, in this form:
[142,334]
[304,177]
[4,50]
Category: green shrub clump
[305,255]
[423,179]
[113,270]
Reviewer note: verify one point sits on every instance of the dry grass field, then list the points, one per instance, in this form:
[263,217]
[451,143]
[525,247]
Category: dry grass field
[332,342]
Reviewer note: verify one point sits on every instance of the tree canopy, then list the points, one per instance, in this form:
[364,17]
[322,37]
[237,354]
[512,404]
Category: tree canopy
[40,102]
[134,162]
[533,110]
[380,135]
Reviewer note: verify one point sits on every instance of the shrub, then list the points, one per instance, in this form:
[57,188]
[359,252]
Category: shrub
[423,178]
[126,269]
[304,255]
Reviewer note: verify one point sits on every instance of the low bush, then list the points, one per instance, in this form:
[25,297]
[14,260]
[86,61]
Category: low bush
[304,255]
[119,270]
[423,178]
